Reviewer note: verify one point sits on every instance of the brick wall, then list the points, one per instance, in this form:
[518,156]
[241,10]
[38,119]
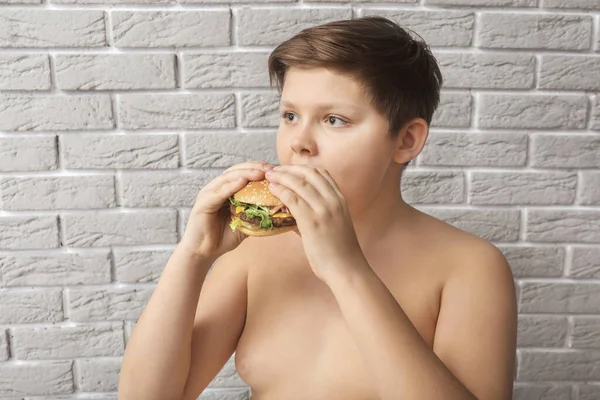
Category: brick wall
[113,114]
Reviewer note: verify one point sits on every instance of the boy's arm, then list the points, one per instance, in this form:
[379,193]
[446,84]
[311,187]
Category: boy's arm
[219,321]
[187,331]
[477,325]
[475,340]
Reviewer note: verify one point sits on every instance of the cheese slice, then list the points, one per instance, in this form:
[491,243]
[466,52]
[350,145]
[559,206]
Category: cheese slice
[281,215]
[239,209]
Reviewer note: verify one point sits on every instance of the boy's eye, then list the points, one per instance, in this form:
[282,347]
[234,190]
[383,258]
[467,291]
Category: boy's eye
[335,121]
[289,117]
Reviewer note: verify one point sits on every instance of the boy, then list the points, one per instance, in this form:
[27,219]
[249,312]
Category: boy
[370,299]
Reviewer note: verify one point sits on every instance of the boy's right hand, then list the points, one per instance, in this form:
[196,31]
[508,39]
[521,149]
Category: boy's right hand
[207,233]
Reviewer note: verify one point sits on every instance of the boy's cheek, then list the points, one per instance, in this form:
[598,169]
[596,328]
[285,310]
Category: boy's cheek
[284,151]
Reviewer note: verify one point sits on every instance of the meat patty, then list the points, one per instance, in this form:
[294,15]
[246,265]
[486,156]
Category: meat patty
[277,221]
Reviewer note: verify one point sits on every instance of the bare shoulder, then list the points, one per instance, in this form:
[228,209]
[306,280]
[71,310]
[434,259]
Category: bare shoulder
[471,259]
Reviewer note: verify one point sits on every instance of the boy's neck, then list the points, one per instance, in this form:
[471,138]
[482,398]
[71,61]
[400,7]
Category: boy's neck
[382,214]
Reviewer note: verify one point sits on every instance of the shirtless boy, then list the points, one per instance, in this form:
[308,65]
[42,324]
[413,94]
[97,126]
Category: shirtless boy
[370,298]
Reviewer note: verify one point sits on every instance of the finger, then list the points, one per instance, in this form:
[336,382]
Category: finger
[312,176]
[262,165]
[251,174]
[215,194]
[300,186]
[331,181]
[295,203]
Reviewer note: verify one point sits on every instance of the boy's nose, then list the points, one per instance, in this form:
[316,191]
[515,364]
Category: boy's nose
[304,145]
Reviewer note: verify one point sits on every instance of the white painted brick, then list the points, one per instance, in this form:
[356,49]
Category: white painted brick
[24,72]
[30,306]
[530,188]
[20,1]
[468,149]
[163,189]
[184,216]
[4,351]
[62,342]
[537,365]
[151,29]
[36,378]
[98,375]
[19,112]
[585,263]
[565,151]
[571,72]
[401,2]
[542,331]
[490,224]
[535,31]
[34,232]
[437,28]
[237,394]
[260,110]
[50,193]
[590,188]
[535,261]
[28,153]
[454,110]
[443,187]
[271,26]
[29,27]
[227,377]
[112,304]
[489,3]
[584,334]
[84,267]
[548,391]
[566,4]
[130,151]
[222,70]
[241,2]
[222,150]
[581,226]
[115,71]
[560,298]
[140,266]
[588,392]
[113,2]
[107,228]
[176,111]
[532,111]
[595,124]
[129,325]
[494,71]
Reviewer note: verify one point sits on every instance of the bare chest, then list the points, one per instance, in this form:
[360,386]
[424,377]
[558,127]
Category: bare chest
[296,344]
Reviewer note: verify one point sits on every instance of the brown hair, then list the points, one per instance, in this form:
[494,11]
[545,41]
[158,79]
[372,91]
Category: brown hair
[398,71]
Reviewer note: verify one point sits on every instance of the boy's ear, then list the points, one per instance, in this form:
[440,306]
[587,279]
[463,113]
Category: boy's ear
[411,140]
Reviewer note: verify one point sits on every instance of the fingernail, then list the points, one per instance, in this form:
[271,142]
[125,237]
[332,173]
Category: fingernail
[269,173]
[273,184]
[267,167]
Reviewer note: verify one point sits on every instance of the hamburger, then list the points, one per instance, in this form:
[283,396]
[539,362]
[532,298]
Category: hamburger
[255,211]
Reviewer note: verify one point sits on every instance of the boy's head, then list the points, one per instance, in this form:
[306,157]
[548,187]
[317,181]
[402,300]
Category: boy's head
[357,97]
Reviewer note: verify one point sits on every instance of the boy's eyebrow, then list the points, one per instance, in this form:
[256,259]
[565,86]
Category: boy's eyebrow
[325,106]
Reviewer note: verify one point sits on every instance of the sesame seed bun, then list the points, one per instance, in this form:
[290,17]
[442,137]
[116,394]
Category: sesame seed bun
[257,193]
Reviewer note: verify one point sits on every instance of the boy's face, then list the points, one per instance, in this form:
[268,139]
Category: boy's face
[327,121]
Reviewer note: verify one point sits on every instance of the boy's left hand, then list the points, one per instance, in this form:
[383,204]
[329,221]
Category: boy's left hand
[321,214]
